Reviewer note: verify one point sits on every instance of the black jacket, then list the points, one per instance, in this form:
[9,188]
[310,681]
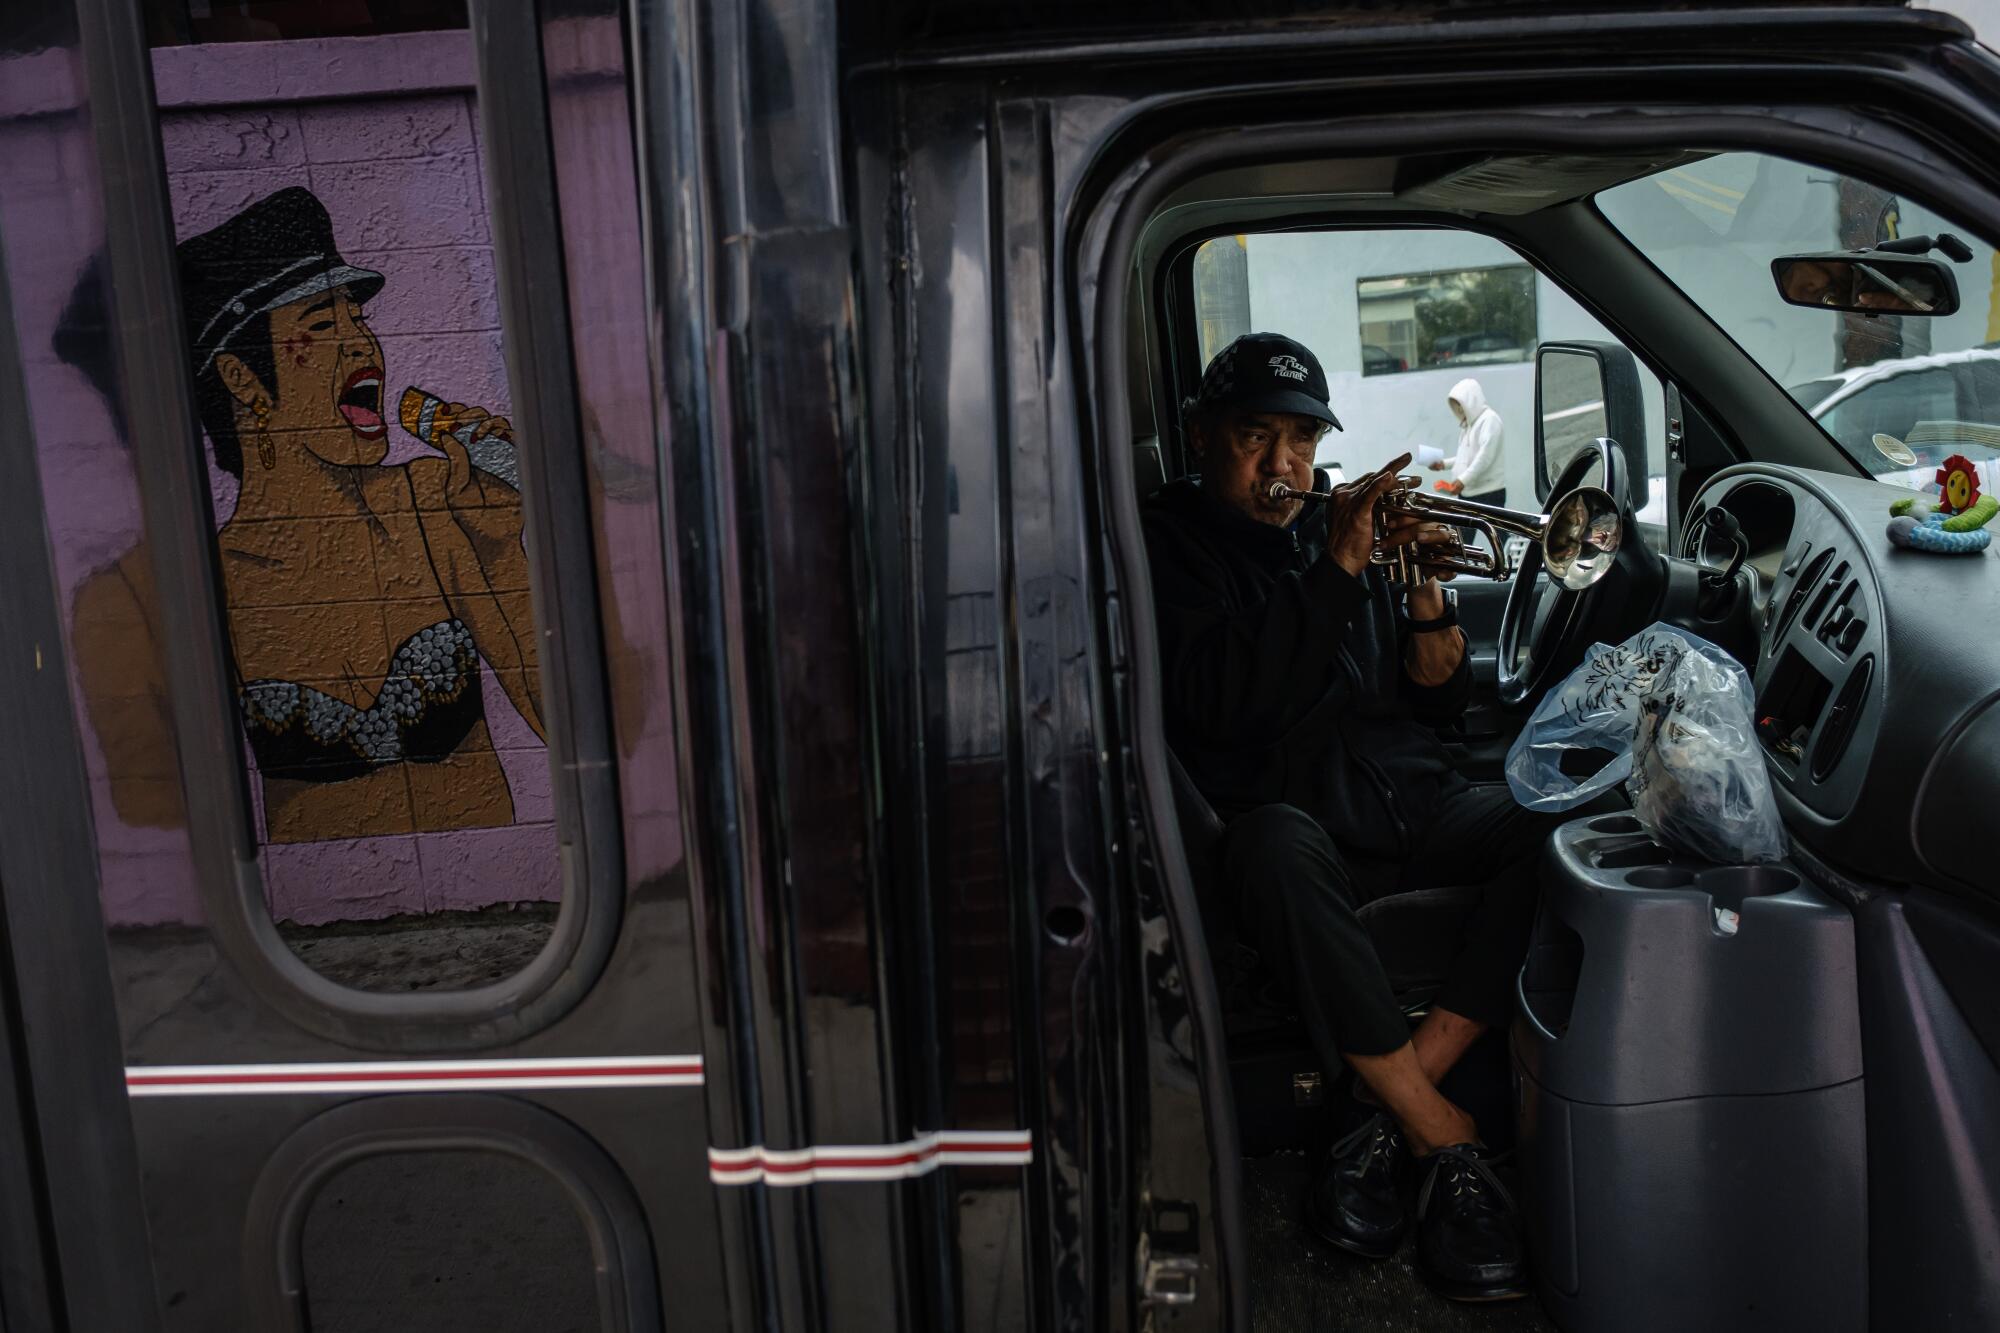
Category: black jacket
[1284,675]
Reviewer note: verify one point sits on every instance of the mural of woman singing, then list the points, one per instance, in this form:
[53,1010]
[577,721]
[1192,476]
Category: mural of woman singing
[364,601]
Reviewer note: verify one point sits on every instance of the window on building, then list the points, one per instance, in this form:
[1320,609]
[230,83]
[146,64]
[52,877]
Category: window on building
[1456,317]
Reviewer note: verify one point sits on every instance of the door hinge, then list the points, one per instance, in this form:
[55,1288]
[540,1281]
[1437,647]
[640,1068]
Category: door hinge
[1170,1280]
[1170,1254]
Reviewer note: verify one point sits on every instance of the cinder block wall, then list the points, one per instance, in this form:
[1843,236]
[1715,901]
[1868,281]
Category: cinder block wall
[384,131]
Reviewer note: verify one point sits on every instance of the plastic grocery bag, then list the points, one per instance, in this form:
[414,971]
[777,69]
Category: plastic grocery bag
[1676,712]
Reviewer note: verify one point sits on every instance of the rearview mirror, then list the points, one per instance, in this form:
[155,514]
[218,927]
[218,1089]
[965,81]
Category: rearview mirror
[1867,283]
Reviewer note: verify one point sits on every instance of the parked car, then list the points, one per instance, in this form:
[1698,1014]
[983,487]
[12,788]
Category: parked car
[1476,349]
[1380,361]
[1935,405]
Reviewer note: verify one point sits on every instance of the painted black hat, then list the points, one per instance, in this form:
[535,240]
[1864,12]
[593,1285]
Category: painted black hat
[1266,372]
[277,251]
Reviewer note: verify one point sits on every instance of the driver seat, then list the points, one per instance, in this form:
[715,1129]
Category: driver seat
[1278,1078]
[1413,932]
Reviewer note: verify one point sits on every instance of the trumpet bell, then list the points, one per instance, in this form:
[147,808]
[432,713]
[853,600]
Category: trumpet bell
[1582,541]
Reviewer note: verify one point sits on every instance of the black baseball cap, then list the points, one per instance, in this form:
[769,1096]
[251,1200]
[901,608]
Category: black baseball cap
[1265,372]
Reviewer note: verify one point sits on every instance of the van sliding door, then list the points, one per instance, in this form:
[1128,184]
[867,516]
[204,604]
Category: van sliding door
[332,337]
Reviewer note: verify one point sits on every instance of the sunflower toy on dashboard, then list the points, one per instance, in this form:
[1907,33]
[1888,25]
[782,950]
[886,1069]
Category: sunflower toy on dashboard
[1956,524]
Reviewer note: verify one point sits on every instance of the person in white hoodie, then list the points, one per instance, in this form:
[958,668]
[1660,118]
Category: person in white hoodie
[1477,472]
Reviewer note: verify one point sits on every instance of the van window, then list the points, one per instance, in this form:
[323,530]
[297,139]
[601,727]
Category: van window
[1398,317]
[342,334]
[1221,293]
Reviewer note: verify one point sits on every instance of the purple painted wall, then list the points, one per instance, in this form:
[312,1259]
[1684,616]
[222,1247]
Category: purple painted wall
[92,498]
[384,131]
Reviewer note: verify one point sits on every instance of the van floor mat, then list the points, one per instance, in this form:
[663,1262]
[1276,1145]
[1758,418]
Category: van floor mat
[1300,1284]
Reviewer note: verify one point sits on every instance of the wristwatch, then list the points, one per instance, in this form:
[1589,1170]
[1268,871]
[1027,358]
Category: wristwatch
[1445,620]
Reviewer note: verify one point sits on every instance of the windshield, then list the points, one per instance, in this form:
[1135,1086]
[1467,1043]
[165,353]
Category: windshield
[1899,394]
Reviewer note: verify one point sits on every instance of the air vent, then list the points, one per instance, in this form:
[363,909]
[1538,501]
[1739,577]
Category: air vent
[1807,582]
[1841,720]
[1825,594]
[1842,629]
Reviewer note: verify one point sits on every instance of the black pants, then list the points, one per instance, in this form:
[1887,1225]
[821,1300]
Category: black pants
[1499,497]
[1297,895]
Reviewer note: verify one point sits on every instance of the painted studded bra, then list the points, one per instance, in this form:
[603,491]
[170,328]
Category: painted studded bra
[428,702]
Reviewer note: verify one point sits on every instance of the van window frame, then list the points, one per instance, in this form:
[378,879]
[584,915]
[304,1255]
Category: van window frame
[180,525]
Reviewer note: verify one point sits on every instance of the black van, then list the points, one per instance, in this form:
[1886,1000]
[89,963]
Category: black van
[582,730]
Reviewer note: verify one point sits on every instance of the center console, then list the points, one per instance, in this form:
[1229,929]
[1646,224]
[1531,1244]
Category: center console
[1688,1081]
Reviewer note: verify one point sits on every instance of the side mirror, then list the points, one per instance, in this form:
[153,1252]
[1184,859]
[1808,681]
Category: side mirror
[1867,282]
[1586,391]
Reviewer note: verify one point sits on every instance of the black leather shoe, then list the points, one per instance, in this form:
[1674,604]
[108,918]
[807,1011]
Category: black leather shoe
[1356,1201]
[1468,1227]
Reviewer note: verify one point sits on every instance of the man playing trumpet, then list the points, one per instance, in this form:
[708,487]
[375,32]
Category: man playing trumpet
[1301,693]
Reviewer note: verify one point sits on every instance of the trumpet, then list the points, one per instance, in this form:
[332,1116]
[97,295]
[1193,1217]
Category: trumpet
[1578,536]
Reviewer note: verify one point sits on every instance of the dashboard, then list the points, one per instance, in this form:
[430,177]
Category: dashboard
[1877,675]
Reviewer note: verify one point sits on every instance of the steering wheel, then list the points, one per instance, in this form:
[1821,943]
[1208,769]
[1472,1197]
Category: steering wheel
[1546,627]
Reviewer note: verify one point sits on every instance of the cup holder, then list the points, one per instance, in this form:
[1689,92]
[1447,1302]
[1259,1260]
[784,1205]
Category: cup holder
[1730,885]
[1660,877]
[1647,853]
[1616,824]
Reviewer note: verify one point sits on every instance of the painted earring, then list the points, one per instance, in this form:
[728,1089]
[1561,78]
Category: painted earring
[267,453]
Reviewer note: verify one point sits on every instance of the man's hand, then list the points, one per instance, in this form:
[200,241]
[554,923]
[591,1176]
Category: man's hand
[1437,466]
[1427,598]
[1350,519]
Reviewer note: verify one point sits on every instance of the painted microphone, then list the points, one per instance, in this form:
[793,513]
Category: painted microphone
[427,416]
